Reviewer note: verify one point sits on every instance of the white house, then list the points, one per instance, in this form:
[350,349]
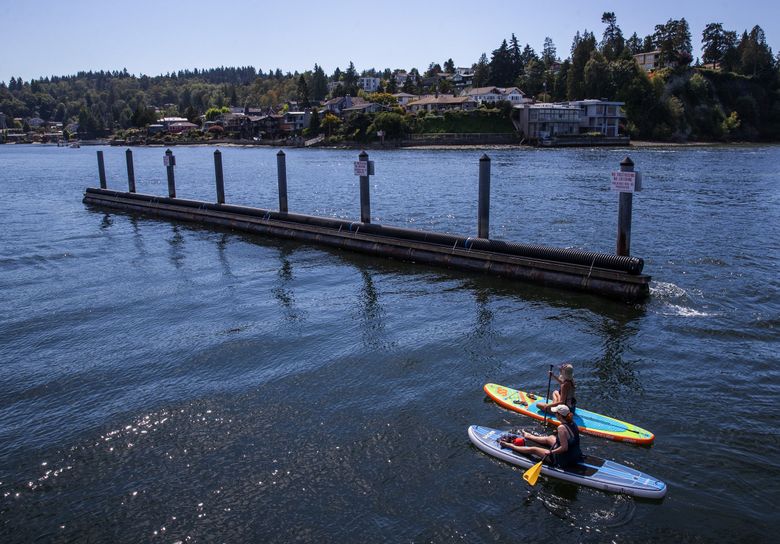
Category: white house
[491,95]
[600,116]
[369,84]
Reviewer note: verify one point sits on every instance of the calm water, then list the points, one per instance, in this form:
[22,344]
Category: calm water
[160,382]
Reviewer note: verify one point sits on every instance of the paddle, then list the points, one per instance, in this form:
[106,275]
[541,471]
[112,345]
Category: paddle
[532,474]
[549,381]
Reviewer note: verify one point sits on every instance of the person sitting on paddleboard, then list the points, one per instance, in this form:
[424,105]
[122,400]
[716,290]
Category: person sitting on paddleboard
[564,446]
[564,396]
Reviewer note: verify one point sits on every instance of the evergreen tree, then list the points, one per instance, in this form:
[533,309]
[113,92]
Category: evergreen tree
[673,39]
[528,55]
[303,92]
[481,72]
[756,57]
[319,84]
[314,123]
[410,84]
[717,43]
[433,69]
[501,70]
[549,54]
[516,54]
[449,66]
[351,80]
[612,42]
[392,85]
[582,46]
[634,44]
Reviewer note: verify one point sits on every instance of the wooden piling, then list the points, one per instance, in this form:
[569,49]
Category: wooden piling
[624,214]
[365,197]
[101,170]
[169,162]
[483,208]
[281,176]
[130,171]
[219,177]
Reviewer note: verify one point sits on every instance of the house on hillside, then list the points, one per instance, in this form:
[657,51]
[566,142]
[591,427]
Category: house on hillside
[337,105]
[542,120]
[369,84]
[462,78]
[492,95]
[437,103]
[600,116]
[295,121]
[404,98]
[182,126]
[649,61]
[363,107]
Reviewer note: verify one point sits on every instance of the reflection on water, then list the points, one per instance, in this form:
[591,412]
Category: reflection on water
[371,313]
[106,222]
[222,243]
[177,250]
[614,369]
[138,238]
[282,291]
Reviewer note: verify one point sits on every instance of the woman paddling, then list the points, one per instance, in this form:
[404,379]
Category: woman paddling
[561,449]
[564,396]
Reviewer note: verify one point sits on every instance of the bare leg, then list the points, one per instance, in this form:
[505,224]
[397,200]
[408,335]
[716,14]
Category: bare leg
[548,441]
[533,450]
[556,396]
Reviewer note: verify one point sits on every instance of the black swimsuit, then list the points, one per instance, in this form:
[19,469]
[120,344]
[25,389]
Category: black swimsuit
[573,454]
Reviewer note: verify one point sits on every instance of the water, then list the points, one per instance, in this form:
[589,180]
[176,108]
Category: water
[165,383]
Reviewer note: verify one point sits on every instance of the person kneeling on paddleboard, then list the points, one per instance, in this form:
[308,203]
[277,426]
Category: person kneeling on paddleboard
[564,444]
[565,395]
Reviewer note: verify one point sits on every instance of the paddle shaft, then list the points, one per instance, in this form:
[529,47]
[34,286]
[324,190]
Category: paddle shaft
[549,381]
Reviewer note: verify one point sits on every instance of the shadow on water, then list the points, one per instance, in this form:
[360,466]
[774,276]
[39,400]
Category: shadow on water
[176,242]
[221,255]
[485,287]
[283,291]
[106,222]
[138,238]
[614,370]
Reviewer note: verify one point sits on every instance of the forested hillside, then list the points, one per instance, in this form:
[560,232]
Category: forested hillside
[732,92]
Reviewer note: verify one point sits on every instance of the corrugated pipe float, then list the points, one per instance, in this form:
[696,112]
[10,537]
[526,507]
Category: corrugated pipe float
[605,274]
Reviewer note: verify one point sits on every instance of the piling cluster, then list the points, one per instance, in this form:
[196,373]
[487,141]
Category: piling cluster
[618,275]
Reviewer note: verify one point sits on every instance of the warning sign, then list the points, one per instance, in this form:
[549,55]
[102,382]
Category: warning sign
[624,182]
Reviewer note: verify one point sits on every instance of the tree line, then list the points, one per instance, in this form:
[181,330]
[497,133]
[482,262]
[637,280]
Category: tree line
[733,91]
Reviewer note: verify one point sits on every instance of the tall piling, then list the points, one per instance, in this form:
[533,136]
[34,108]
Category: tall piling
[365,197]
[219,178]
[625,207]
[483,208]
[130,171]
[281,176]
[169,162]
[101,170]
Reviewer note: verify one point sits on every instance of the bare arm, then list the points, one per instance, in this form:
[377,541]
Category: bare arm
[563,440]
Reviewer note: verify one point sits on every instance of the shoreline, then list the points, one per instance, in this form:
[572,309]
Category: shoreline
[375,146]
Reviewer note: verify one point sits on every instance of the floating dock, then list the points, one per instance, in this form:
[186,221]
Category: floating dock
[610,275]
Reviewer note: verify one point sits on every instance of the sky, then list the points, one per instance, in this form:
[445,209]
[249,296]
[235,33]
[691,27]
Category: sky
[41,38]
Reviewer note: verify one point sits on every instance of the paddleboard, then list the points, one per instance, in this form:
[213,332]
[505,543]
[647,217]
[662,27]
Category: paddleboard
[588,422]
[592,472]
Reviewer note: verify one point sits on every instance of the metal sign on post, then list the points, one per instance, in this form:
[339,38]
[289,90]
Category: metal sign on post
[169,160]
[364,168]
[626,182]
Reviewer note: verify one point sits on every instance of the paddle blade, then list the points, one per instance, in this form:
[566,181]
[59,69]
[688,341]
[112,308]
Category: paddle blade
[532,474]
